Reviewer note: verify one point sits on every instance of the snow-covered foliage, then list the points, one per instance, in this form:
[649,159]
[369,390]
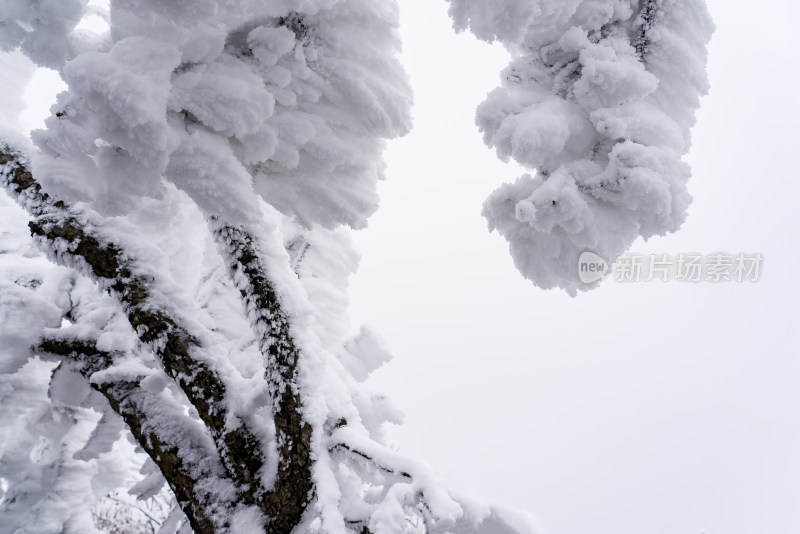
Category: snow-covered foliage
[598,99]
[43,30]
[205,153]
[185,287]
[290,98]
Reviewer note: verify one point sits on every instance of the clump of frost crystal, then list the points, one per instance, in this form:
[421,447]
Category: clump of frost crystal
[598,102]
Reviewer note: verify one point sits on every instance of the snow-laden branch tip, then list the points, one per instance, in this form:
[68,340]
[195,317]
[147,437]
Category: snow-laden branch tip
[598,99]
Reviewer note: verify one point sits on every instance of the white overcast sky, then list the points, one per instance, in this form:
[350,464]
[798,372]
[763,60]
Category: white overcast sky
[634,409]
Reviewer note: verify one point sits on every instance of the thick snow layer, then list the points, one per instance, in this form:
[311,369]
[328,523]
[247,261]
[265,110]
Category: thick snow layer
[42,30]
[33,291]
[598,100]
[292,99]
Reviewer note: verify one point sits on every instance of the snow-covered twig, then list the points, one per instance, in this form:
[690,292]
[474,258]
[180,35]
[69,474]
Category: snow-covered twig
[184,455]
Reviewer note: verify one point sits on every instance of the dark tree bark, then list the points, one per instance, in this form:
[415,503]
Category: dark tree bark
[55,224]
[184,459]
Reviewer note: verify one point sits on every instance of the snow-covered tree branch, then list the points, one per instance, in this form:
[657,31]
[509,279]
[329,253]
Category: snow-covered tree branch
[598,99]
[216,494]
[184,454]
[183,286]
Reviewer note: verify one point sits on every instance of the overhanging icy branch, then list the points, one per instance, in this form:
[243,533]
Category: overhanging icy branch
[70,241]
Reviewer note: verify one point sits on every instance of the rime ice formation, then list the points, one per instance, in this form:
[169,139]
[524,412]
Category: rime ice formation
[598,100]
